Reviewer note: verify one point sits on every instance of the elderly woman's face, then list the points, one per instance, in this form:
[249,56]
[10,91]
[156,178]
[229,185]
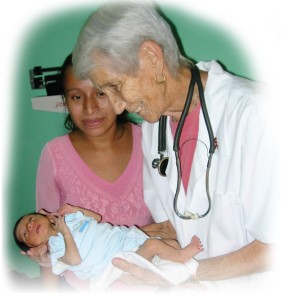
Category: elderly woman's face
[137,94]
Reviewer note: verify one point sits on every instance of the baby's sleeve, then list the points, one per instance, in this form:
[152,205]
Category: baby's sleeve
[57,250]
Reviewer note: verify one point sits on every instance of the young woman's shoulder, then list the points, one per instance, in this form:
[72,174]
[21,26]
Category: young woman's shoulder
[60,140]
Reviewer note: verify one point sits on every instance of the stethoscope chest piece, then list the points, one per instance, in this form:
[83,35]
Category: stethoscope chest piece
[161,164]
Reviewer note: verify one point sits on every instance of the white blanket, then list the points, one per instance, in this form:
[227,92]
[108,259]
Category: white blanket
[173,272]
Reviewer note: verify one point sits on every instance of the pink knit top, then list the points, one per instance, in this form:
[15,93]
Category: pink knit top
[63,177]
[188,142]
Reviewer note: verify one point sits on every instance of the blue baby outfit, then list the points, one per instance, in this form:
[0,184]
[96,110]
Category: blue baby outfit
[97,244]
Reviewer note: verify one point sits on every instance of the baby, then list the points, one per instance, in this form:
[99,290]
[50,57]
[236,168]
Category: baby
[77,241]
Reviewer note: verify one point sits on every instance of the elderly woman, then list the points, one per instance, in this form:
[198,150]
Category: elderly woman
[130,53]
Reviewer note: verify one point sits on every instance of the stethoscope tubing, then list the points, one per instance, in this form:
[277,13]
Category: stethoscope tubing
[196,74]
[194,79]
[158,163]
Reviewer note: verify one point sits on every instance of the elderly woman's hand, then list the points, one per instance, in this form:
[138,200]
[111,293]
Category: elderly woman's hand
[137,275]
[164,230]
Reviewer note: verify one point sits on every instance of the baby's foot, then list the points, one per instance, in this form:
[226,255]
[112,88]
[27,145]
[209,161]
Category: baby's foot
[197,243]
[192,249]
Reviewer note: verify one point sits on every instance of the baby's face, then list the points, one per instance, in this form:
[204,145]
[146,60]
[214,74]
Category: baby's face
[34,230]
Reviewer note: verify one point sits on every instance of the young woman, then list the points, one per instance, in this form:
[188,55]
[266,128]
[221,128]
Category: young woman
[98,165]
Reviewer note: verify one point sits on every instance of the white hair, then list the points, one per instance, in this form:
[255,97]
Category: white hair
[117,30]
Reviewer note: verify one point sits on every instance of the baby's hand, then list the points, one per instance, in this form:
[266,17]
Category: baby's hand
[61,225]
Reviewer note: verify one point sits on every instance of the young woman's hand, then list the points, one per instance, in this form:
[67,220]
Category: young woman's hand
[67,209]
[39,255]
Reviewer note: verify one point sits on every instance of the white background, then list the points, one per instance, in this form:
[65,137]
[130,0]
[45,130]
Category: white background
[257,24]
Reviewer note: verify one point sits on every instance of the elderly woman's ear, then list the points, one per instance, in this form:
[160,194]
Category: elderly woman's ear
[151,52]
[152,61]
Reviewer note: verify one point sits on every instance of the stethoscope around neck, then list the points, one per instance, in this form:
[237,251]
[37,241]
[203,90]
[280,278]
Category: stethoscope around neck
[162,162]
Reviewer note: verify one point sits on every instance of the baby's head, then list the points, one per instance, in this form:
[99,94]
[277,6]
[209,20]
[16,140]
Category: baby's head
[31,230]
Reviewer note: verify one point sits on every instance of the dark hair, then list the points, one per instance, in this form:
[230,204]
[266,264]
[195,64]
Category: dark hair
[125,117]
[20,244]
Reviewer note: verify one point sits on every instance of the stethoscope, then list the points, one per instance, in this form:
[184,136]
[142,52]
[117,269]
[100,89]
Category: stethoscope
[162,162]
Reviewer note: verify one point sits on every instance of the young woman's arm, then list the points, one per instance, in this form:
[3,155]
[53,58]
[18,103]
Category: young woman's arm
[68,209]
[49,279]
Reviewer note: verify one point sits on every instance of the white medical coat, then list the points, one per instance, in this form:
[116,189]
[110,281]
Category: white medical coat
[243,176]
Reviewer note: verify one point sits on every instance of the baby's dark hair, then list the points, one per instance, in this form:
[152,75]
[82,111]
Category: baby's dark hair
[20,244]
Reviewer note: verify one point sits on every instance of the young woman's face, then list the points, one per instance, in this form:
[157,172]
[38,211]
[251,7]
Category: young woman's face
[89,108]
[34,230]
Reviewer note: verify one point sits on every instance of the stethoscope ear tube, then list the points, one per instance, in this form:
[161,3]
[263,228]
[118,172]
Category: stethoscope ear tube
[162,134]
[176,145]
[196,74]
[194,79]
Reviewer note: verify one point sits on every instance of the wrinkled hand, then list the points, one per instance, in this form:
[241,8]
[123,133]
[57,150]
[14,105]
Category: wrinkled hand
[164,230]
[39,254]
[140,276]
[137,275]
